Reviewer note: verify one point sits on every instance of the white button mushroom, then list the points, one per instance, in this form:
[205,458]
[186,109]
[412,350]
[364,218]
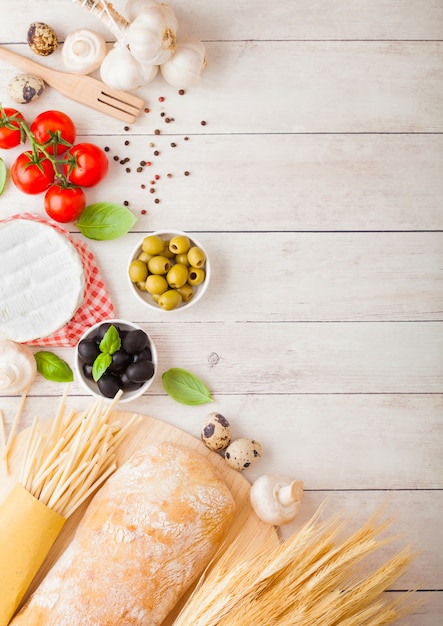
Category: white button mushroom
[242,453]
[18,367]
[83,51]
[276,499]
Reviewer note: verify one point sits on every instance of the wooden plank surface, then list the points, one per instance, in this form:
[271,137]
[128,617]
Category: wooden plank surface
[316,185]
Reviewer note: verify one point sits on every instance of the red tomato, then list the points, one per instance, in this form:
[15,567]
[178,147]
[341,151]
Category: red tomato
[54,127]
[32,175]
[85,164]
[10,134]
[64,204]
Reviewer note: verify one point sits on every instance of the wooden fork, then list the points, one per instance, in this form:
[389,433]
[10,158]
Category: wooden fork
[85,89]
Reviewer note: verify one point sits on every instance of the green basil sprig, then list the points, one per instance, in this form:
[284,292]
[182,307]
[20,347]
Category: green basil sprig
[2,176]
[105,220]
[53,367]
[110,343]
[185,387]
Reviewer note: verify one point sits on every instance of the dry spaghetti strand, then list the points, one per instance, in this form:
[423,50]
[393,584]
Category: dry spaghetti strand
[65,466]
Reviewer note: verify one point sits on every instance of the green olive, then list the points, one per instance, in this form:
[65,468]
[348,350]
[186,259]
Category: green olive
[138,271]
[153,244]
[196,276]
[167,252]
[141,285]
[170,299]
[196,257]
[182,258]
[187,292]
[156,296]
[144,256]
[156,284]
[159,265]
[179,244]
[177,275]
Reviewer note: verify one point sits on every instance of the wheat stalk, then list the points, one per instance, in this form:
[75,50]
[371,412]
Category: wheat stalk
[315,577]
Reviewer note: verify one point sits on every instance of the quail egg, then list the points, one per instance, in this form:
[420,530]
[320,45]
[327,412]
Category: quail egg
[242,453]
[42,39]
[25,88]
[216,432]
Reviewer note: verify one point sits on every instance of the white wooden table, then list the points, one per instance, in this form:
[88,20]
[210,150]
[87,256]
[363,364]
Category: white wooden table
[316,185]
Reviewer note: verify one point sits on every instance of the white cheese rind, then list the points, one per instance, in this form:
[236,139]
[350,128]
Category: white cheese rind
[42,281]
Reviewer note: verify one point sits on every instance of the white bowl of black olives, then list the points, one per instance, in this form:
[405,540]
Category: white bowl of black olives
[169,270]
[113,355]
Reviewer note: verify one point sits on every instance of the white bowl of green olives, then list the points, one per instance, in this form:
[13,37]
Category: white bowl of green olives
[116,354]
[169,270]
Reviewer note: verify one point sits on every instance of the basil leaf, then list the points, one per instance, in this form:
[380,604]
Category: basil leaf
[53,368]
[185,387]
[2,176]
[111,341]
[105,220]
[100,365]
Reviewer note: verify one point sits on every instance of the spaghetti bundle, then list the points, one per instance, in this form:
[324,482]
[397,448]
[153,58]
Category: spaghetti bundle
[59,471]
[315,577]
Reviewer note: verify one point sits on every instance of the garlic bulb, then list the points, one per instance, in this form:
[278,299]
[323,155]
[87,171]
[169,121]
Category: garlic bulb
[18,367]
[135,7]
[83,51]
[120,70]
[151,35]
[185,66]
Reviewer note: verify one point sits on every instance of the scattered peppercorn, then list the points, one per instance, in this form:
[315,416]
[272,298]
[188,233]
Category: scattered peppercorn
[128,169]
[146,110]
[152,190]
[169,175]
[143,211]
[203,123]
[187,173]
[106,148]
[167,120]
[151,145]
[127,142]
[181,92]
[186,138]
[126,203]
[116,158]
[148,163]
[162,114]
[139,169]
[142,163]
[157,177]
[143,186]
[161,99]
[173,145]
[125,160]
[156,201]
[156,131]
[152,182]
[156,153]
[126,128]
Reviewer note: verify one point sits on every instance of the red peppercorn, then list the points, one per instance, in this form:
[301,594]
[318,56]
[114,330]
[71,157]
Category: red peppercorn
[161,99]
[157,177]
[143,211]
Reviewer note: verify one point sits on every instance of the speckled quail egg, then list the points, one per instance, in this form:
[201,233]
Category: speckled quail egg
[243,453]
[42,39]
[216,432]
[25,88]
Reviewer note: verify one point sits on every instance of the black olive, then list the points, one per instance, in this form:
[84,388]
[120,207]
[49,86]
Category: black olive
[88,350]
[135,341]
[140,371]
[128,385]
[144,355]
[102,329]
[87,370]
[108,385]
[120,360]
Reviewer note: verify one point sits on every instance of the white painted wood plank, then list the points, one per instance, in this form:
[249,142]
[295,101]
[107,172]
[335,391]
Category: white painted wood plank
[333,442]
[299,87]
[269,182]
[309,358]
[273,277]
[255,19]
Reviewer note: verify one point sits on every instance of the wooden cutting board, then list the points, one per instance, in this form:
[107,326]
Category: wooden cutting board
[246,528]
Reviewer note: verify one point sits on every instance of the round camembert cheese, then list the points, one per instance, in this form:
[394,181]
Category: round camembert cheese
[42,280]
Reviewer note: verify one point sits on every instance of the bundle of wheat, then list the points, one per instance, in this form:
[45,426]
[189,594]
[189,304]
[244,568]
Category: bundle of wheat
[315,577]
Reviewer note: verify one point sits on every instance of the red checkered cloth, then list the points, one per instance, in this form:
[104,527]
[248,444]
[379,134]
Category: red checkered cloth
[96,305]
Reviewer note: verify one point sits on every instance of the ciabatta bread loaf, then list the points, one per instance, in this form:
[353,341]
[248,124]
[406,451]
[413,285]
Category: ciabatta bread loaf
[145,537]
